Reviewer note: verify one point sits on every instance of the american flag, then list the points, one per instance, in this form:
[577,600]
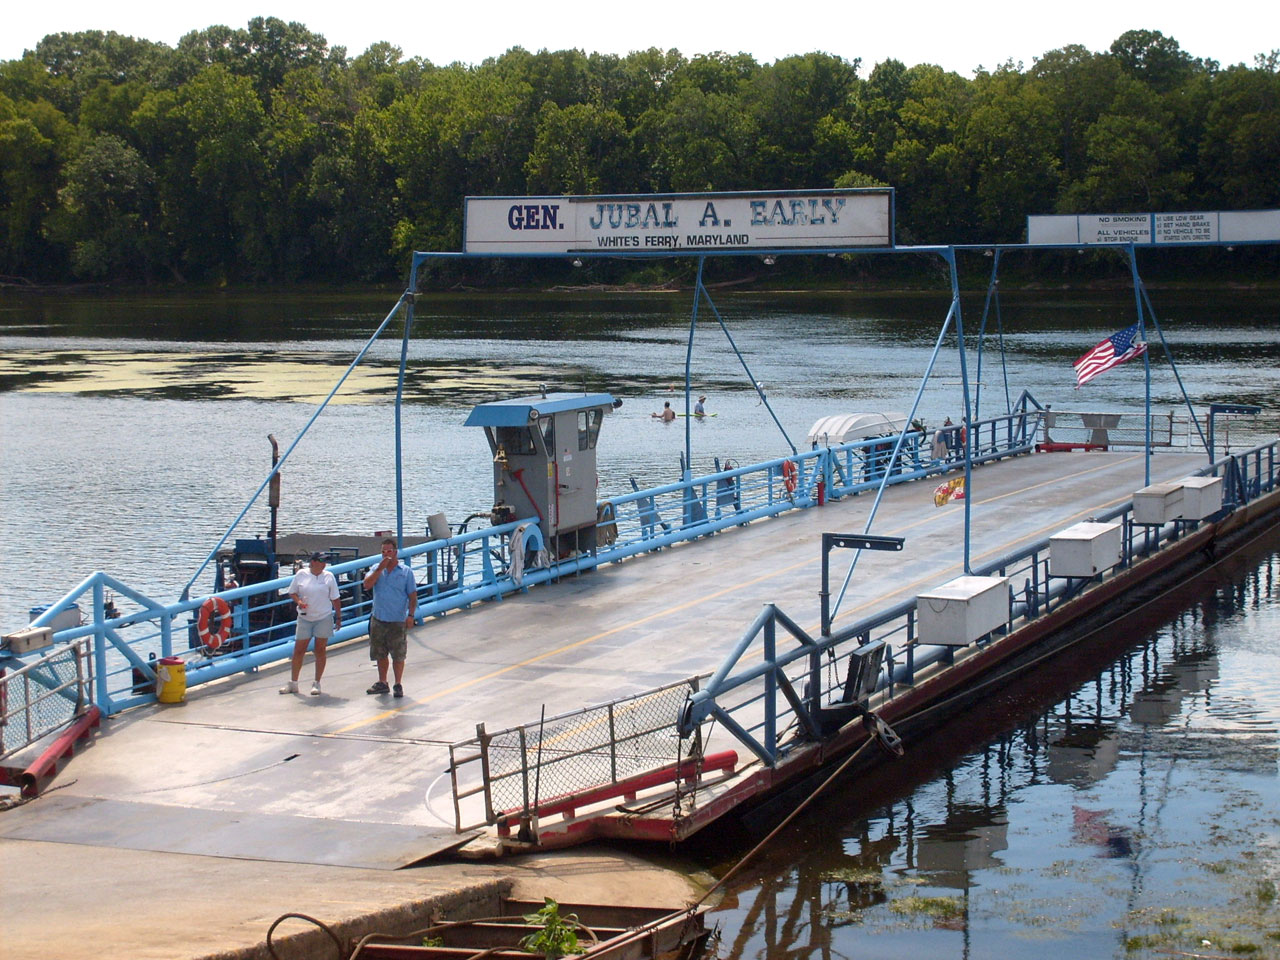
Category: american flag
[1114,350]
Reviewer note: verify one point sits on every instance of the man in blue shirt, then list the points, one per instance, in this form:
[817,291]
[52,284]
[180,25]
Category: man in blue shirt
[395,598]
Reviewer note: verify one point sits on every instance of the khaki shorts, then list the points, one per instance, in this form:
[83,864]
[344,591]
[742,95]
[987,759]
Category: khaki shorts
[387,639]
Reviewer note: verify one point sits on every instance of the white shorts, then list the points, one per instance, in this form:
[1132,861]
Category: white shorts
[321,629]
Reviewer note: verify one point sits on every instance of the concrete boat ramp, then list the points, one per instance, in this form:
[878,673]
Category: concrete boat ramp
[214,812]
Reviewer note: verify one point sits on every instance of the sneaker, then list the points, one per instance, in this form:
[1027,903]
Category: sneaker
[379,687]
[290,687]
[315,689]
[398,690]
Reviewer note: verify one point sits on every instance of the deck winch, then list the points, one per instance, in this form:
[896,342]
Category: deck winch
[544,463]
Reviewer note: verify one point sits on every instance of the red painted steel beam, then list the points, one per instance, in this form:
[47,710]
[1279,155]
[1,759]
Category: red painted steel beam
[46,765]
[725,760]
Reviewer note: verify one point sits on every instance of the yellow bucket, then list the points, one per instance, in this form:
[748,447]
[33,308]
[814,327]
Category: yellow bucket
[171,680]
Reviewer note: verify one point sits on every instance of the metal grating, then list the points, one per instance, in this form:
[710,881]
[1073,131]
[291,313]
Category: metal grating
[43,696]
[535,764]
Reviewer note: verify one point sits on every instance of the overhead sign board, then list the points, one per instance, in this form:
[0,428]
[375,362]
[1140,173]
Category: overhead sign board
[1226,226]
[689,223]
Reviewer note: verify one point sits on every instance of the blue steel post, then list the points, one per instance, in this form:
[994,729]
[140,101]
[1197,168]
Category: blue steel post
[771,686]
[1146,358]
[404,358]
[100,645]
[950,256]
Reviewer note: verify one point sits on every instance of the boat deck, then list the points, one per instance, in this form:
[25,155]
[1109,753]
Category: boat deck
[240,771]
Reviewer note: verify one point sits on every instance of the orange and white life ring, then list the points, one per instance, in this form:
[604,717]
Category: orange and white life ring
[214,622]
[790,475]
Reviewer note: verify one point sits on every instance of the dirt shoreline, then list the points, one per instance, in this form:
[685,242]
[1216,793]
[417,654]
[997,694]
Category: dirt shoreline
[82,902]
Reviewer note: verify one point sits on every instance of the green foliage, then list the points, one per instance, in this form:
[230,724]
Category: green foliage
[261,153]
[106,209]
[558,936]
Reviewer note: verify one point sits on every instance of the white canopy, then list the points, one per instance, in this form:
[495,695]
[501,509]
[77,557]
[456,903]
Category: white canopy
[845,427]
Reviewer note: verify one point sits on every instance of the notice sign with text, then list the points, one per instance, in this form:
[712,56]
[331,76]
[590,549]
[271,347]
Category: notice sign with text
[689,223]
[1226,226]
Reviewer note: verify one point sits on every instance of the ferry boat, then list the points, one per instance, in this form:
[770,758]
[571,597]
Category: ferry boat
[729,702]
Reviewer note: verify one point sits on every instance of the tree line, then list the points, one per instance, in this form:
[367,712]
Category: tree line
[263,154]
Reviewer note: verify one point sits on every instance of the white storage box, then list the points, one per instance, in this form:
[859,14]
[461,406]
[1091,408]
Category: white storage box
[32,638]
[1158,503]
[65,619]
[1201,497]
[962,610]
[1085,550]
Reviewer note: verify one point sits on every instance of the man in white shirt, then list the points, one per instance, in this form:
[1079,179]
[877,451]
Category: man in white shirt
[315,593]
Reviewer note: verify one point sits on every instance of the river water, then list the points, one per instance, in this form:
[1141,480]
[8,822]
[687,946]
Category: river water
[1122,807]
[1123,802]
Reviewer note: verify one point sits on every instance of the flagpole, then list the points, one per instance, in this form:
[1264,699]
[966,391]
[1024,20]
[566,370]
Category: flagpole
[1146,356]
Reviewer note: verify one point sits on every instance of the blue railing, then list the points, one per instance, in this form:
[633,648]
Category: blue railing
[455,572]
[806,685]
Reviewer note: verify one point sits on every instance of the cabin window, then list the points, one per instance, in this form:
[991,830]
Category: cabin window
[589,428]
[516,441]
[548,427]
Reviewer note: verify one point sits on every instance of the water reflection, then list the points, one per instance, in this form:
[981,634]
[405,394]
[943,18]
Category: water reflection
[1130,817]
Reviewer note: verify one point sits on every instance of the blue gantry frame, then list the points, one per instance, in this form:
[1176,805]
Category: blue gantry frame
[636,522]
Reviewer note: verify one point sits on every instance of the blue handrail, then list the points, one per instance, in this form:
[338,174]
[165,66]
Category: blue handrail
[458,571]
[744,701]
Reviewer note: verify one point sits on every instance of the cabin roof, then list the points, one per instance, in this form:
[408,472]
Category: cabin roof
[519,411]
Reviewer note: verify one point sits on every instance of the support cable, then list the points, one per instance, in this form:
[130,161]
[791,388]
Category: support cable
[186,591]
[884,480]
[1174,367]
[754,382]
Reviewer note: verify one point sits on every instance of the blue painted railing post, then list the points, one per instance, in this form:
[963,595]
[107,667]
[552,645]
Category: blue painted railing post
[771,683]
[100,645]
[950,256]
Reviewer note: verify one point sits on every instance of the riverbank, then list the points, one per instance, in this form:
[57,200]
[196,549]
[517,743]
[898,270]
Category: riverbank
[923,277]
[81,902]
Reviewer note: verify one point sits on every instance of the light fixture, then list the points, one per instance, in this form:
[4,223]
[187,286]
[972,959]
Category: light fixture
[769,261]
[577,262]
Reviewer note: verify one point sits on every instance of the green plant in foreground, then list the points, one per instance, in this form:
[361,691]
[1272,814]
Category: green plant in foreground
[558,935]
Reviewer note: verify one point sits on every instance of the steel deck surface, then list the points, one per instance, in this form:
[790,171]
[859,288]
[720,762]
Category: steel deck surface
[238,751]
